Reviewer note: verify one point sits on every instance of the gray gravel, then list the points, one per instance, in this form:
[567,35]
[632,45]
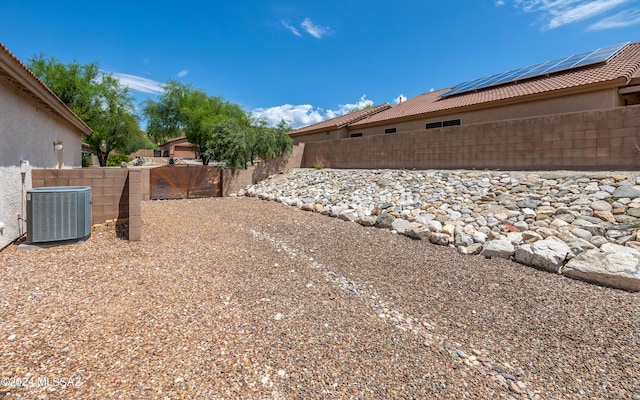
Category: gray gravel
[242,298]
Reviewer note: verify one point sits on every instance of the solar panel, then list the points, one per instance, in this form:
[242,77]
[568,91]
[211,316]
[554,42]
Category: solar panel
[562,64]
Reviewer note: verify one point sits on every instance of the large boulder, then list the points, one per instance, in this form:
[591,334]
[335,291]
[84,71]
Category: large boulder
[498,248]
[548,254]
[613,265]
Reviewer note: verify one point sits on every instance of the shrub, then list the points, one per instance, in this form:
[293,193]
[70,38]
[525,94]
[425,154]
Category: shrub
[115,160]
[86,159]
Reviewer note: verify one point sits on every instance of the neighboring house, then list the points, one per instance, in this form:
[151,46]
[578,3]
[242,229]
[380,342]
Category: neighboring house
[596,82]
[335,128]
[178,148]
[36,129]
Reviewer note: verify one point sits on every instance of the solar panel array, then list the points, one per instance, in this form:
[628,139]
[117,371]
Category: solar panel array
[579,60]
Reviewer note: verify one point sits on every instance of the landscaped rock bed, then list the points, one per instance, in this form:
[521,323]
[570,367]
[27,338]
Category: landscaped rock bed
[579,224]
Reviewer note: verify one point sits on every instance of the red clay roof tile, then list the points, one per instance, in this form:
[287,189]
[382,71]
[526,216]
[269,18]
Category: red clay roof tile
[341,121]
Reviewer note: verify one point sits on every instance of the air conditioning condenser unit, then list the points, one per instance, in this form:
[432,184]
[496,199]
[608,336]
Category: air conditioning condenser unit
[57,213]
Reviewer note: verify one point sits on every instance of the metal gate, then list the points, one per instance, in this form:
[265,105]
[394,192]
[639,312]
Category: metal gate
[185,182]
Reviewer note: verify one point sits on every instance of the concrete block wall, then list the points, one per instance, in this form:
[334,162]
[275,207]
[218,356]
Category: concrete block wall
[599,139]
[116,192]
[135,204]
[232,181]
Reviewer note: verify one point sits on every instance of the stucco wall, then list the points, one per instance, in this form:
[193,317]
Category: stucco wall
[12,203]
[597,139]
[28,130]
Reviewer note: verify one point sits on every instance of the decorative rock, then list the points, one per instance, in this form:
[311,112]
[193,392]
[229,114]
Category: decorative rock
[468,208]
[434,226]
[402,225]
[515,238]
[627,191]
[449,229]
[531,236]
[598,241]
[418,232]
[441,239]
[601,205]
[384,220]
[582,233]
[522,226]
[498,248]
[367,220]
[548,254]
[464,240]
[619,269]
[605,216]
[348,215]
[474,249]
[479,237]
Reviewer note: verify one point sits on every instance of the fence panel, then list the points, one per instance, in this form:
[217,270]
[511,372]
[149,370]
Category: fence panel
[184,182]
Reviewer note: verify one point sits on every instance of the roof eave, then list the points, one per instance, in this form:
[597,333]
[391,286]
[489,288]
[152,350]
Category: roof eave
[20,76]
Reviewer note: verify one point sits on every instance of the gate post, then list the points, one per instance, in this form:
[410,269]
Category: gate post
[135,204]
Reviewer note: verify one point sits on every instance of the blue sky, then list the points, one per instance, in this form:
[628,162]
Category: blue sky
[306,61]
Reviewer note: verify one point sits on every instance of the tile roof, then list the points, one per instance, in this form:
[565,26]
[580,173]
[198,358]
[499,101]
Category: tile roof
[616,72]
[17,73]
[341,121]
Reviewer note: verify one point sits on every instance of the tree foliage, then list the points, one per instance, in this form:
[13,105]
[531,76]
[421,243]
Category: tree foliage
[97,98]
[184,110]
[219,130]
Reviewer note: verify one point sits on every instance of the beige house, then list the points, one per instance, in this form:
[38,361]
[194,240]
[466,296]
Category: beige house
[178,148]
[36,130]
[610,83]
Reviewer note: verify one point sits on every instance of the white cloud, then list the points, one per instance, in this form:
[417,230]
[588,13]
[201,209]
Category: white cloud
[314,30]
[500,3]
[400,99]
[619,20]
[296,115]
[362,102]
[182,73]
[557,13]
[139,83]
[291,28]
[305,114]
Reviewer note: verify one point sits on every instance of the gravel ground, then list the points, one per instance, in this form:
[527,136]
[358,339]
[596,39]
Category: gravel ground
[242,298]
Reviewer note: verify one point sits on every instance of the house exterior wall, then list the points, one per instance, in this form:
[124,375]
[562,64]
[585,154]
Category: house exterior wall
[595,139]
[317,137]
[180,148]
[571,103]
[14,186]
[28,131]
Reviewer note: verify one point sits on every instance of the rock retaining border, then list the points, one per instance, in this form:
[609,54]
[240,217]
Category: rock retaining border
[581,225]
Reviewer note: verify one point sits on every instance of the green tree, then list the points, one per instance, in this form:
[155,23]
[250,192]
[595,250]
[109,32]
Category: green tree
[97,98]
[268,142]
[219,130]
[184,110]
[229,144]
[135,142]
